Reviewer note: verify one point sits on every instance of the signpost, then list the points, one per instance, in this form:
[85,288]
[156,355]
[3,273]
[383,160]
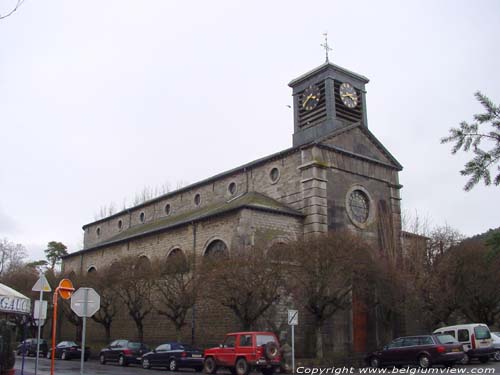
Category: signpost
[42,285]
[85,302]
[65,289]
[293,320]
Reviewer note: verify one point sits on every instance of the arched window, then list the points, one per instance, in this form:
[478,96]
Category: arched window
[176,262]
[143,265]
[217,248]
[92,269]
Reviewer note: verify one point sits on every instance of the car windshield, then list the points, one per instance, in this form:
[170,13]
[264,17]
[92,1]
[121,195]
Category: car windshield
[71,343]
[264,339]
[134,345]
[482,332]
[446,339]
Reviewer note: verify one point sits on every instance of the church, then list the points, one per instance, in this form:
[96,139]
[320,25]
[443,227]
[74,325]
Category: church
[336,175]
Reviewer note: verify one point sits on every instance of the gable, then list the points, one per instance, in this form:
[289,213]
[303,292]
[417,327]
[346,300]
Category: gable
[359,140]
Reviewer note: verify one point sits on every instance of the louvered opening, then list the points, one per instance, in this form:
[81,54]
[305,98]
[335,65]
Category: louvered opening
[345,113]
[316,115]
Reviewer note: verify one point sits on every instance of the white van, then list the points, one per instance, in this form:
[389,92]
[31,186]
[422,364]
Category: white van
[475,339]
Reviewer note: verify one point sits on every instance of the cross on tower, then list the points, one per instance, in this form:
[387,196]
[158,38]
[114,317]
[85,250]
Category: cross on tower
[326,46]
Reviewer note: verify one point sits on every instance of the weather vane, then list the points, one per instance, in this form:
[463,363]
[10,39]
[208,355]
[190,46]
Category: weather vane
[326,46]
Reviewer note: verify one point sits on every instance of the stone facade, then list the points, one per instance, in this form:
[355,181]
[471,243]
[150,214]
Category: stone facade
[301,191]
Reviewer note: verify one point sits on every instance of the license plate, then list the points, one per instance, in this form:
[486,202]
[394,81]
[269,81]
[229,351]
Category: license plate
[455,350]
[196,355]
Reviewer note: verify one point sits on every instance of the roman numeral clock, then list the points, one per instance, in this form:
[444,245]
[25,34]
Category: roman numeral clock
[326,99]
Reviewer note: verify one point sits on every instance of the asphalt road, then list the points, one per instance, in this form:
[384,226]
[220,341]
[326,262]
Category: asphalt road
[93,367]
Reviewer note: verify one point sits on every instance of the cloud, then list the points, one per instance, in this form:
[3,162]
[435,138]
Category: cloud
[7,224]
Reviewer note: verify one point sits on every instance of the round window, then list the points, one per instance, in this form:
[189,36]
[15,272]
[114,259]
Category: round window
[359,206]
[274,174]
[142,217]
[232,188]
[167,208]
[197,199]
[120,224]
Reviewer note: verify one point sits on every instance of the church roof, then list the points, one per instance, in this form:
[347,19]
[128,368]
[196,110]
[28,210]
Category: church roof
[251,200]
[394,162]
[324,67]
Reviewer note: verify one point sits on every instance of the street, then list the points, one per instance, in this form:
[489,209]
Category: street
[93,367]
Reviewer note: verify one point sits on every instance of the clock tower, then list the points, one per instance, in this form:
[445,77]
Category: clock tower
[327,99]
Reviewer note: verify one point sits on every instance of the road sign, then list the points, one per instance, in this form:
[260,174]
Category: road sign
[293,317]
[42,285]
[40,310]
[85,302]
[66,288]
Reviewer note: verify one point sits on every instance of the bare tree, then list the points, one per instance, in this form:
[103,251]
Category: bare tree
[176,285]
[327,269]
[14,9]
[105,282]
[134,285]
[244,281]
[11,255]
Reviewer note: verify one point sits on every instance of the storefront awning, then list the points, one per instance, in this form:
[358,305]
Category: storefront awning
[11,301]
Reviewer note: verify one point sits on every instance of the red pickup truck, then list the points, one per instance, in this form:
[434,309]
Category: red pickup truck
[243,352]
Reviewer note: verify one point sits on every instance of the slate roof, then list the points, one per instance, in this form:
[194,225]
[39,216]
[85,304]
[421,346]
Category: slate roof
[252,200]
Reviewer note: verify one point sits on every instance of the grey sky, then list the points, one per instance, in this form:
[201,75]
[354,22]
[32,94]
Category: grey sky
[101,98]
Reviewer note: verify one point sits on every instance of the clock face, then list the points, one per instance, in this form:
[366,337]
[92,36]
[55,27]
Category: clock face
[348,95]
[310,97]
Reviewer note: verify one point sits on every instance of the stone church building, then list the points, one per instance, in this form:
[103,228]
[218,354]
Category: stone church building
[336,175]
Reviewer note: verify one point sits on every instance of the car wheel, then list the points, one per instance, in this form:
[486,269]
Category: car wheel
[271,350]
[465,360]
[484,359]
[209,365]
[424,361]
[242,367]
[102,360]
[172,365]
[145,364]
[122,361]
[64,356]
[374,362]
[496,356]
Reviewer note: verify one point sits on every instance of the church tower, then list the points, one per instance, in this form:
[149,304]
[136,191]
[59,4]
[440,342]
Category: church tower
[326,99]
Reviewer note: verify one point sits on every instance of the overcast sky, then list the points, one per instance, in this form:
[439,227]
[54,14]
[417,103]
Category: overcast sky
[101,98]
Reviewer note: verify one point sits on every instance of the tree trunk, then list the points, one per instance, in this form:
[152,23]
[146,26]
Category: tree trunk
[140,330]
[178,333]
[319,341]
[107,327]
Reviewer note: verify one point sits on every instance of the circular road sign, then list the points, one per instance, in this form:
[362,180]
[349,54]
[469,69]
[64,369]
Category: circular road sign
[85,297]
[66,288]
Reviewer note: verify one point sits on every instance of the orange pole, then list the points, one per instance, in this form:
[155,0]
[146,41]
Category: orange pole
[54,324]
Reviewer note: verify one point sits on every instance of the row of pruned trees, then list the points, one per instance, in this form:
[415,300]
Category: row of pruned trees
[320,274]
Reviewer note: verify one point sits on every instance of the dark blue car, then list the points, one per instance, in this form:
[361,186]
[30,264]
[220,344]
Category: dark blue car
[173,355]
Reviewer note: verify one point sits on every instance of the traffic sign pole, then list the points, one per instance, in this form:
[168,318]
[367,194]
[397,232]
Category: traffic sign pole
[66,289]
[42,285]
[39,333]
[85,303]
[293,320]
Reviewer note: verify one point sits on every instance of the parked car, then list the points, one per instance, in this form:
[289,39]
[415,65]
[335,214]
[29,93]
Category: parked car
[173,355]
[424,351]
[475,339]
[68,350]
[30,347]
[495,337]
[124,352]
[243,352]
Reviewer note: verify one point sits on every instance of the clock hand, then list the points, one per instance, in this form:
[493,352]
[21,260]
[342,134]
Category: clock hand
[307,99]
